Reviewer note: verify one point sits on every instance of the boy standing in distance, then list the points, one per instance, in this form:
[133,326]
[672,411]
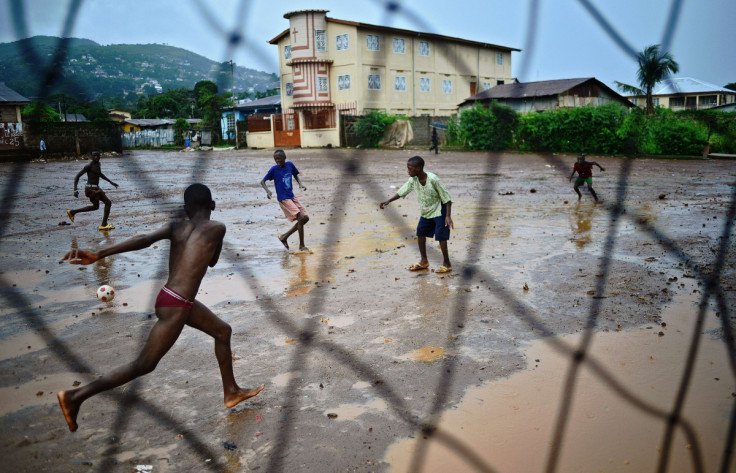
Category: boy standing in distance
[435,205]
[195,245]
[281,175]
[92,191]
[585,174]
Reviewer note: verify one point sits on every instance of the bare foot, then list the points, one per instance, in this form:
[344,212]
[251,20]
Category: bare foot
[69,409]
[304,249]
[232,400]
[283,242]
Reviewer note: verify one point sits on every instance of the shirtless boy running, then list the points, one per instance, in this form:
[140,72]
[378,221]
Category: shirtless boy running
[93,191]
[195,244]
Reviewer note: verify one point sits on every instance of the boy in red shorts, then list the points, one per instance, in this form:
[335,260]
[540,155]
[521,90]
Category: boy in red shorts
[195,245]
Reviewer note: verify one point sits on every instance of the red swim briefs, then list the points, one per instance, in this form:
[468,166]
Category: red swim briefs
[168,298]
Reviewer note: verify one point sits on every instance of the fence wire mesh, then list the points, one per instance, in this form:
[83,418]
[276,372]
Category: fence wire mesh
[314,348]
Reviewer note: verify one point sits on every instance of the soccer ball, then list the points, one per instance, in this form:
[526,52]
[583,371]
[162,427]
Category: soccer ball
[106,293]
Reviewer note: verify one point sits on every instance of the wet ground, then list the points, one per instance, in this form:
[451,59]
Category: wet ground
[367,366]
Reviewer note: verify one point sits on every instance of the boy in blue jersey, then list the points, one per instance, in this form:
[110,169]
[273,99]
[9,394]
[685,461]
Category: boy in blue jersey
[281,175]
[435,205]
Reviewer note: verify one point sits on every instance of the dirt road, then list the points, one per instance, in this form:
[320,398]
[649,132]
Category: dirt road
[362,358]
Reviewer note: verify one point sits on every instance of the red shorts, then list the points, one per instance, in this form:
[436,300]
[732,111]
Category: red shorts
[168,298]
[291,208]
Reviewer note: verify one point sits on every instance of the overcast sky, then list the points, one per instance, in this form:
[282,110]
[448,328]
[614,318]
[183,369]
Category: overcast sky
[559,38]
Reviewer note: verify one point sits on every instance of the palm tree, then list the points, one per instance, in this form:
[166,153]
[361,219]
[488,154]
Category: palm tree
[654,66]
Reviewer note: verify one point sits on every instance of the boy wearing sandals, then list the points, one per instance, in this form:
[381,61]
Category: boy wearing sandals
[435,205]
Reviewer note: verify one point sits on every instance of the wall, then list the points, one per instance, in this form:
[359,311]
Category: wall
[419,125]
[259,139]
[67,138]
[320,138]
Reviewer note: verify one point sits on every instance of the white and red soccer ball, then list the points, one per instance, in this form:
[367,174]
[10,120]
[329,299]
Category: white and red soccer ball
[105,293]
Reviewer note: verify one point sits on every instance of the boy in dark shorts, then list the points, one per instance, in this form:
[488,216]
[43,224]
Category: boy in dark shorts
[92,191]
[281,175]
[195,244]
[585,174]
[435,205]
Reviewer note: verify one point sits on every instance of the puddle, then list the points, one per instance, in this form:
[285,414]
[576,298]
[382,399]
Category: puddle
[425,354]
[352,411]
[282,380]
[510,424]
[300,291]
[39,391]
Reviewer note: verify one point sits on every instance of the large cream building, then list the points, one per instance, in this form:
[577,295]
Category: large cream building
[329,67]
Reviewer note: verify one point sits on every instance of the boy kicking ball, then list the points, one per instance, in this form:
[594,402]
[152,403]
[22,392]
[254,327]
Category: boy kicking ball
[195,245]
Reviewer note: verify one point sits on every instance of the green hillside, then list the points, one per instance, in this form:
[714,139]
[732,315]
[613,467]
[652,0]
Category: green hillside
[44,65]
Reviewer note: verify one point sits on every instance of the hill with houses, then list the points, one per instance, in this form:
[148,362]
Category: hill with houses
[87,70]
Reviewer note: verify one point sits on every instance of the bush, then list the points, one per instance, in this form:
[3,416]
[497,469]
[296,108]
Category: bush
[589,129]
[490,128]
[370,128]
[667,133]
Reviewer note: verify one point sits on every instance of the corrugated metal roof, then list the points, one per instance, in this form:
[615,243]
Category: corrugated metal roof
[8,95]
[544,88]
[150,121]
[529,89]
[263,102]
[687,85]
[159,121]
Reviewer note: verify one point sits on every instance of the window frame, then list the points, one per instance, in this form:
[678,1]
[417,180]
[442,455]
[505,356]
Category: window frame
[402,42]
[346,42]
[399,80]
[368,38]
[320,38]
[447,85]
[419,47]
[377,77]
[428,82]
[342,80]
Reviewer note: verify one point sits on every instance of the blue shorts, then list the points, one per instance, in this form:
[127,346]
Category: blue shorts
[434,227]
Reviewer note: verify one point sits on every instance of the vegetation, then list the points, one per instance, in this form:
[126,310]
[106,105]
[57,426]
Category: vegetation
[483,128]
[180,127]
[654,66]
[42,66]
[370,128]
[39,112]
[588,129]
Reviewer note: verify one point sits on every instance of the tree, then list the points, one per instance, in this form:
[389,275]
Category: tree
[730,85]
[654,66]
[181,126]
[204,89]
[39,112]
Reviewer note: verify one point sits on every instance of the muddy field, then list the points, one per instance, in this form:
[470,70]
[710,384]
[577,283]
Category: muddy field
[369,367]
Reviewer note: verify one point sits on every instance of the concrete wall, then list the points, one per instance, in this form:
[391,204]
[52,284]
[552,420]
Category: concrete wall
[67,138]
[320,138]
[259,139]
